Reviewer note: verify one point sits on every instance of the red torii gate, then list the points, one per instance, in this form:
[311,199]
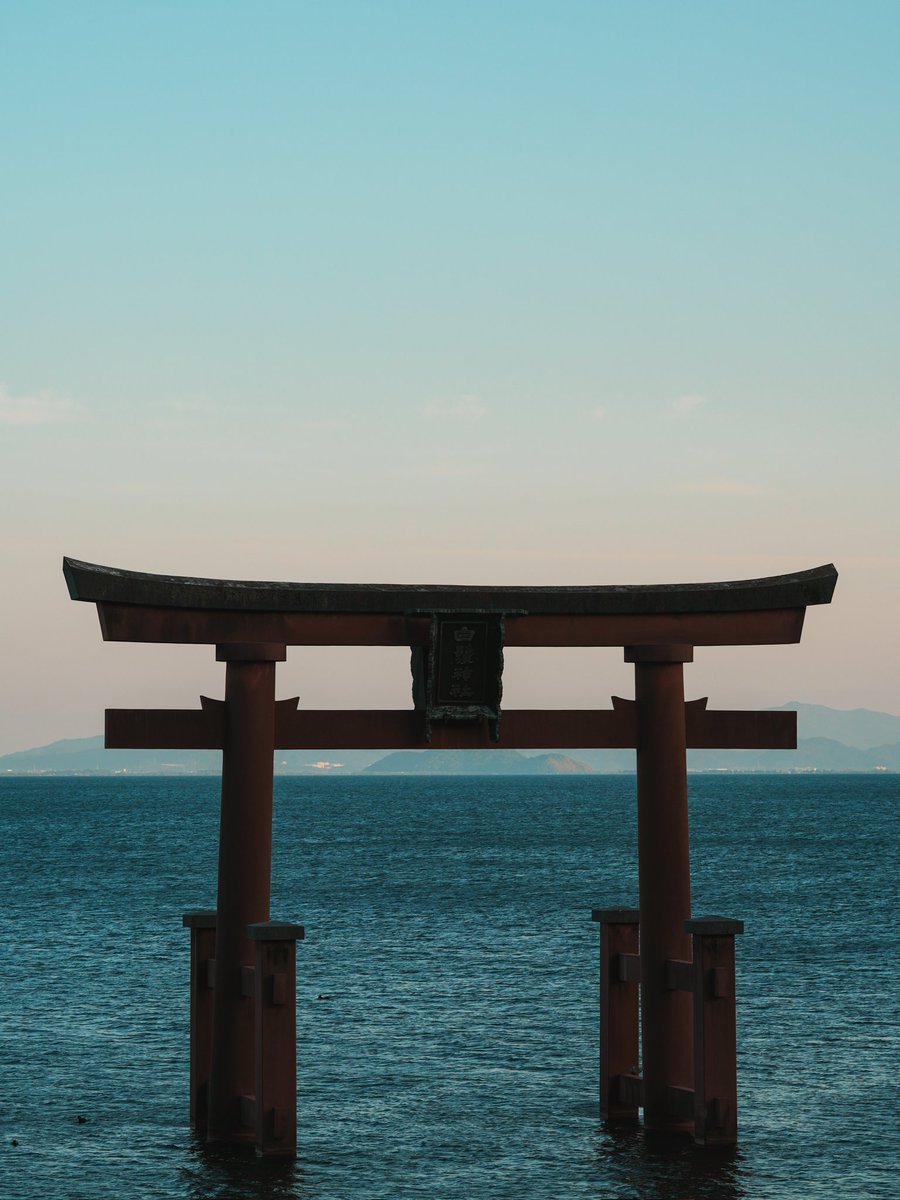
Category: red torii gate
[243,1069]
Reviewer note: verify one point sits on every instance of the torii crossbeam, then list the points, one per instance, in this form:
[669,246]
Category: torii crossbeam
[457,636]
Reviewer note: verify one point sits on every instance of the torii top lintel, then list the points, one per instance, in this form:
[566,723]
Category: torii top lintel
[135,606]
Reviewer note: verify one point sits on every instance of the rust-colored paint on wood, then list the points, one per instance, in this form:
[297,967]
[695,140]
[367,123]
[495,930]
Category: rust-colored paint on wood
[405,729]
[245,858]
[203,947]
[664,875]
[401,729]
[680,975]
[164,728]
[628,967]
[629,1090]
[771,627]
[140,623]
[715,1037]
[276,1040]
[618,1011]
[680,1101]
[736,729]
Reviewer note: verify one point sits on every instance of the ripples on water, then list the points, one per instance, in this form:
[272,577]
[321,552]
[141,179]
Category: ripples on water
[454,1051]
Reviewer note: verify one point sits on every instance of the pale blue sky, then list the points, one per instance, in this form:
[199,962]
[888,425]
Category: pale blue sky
[494,292]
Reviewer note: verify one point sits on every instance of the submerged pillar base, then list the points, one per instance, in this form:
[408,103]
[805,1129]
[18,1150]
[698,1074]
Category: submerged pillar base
[275,1001]
[202,925]
[705,1106]
[619,1010]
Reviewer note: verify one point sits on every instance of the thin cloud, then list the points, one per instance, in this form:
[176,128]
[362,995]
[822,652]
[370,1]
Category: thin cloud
[683,406]
[327,425]
[447,471]
[456,408]
[183,413]
[38,408]
[722,487]
[194,406]
[598,413]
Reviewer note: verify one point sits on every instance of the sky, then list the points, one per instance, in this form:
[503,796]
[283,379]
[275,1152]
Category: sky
[532,293]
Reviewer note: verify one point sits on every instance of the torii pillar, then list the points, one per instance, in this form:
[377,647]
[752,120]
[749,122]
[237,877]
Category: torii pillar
[245,862]
[664,866]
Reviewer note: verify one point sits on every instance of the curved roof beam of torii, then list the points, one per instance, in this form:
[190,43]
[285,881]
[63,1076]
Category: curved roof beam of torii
[110,585]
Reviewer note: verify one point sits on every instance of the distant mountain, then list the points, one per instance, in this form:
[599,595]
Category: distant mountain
[860,727]
[87,756]
[812,754]
[829,739]
[475,762]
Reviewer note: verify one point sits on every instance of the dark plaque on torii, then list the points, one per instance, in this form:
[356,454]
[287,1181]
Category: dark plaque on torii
[457,636]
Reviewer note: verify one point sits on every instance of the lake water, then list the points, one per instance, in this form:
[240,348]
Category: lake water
[448,926]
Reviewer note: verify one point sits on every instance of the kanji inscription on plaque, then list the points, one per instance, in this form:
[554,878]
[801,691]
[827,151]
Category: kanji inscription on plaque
[462,663]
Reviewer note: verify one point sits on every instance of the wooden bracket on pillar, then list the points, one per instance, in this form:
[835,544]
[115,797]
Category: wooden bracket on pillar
[251,652]
[715,1033]
[248,1111]
[202,925]
[680,1102]
[659,654]
[679,975]
[619,1012]
[629,1090]
[275,974]
[627,967]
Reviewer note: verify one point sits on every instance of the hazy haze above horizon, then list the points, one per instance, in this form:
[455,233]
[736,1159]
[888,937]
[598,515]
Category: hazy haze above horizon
[476,293]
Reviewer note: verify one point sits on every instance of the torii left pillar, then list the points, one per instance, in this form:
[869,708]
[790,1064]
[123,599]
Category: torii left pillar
[245,862]
[664,868]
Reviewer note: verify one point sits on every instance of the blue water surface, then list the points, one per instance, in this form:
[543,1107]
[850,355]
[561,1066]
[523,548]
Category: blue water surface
[453,1053]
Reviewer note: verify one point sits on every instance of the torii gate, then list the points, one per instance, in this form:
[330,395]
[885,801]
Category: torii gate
[243,1055]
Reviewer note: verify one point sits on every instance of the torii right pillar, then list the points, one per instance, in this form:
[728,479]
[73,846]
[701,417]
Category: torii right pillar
[664,874]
